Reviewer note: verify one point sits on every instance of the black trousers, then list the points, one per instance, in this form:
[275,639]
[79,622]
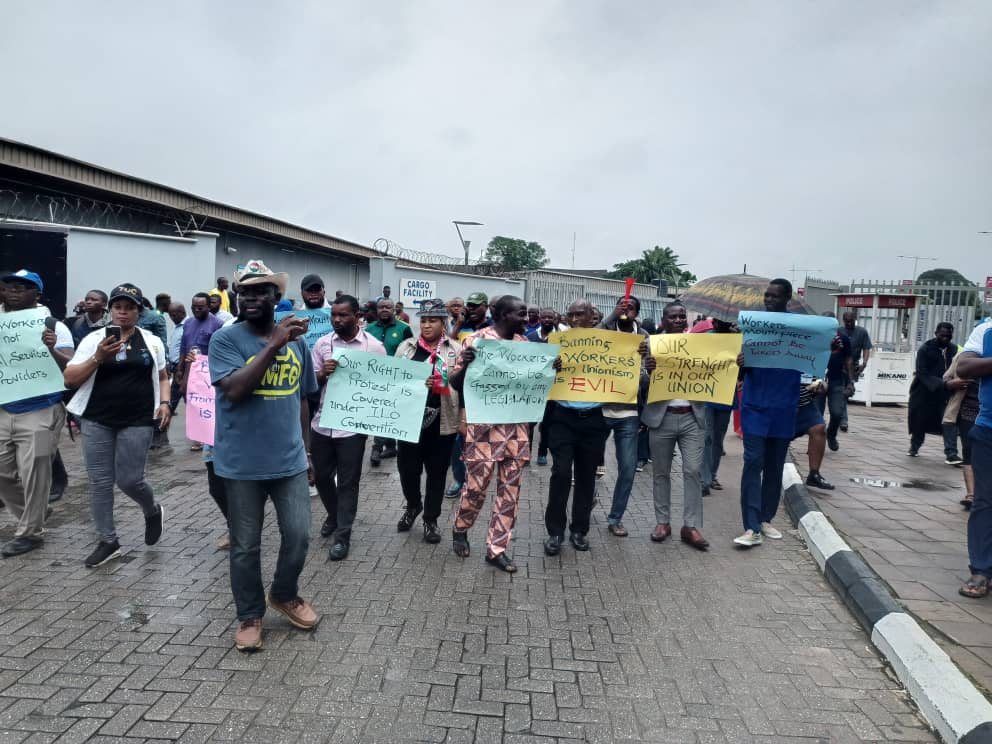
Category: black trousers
[432,454]
[60,478]
[577,439]
[217,491]
[342,457]
[542,427]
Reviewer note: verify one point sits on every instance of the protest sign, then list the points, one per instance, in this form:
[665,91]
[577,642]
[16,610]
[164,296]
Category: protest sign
[320,322]
[376,394]
[27,368]
[787,340]
[695,366]
[597,366]
[508,382]
[199,402]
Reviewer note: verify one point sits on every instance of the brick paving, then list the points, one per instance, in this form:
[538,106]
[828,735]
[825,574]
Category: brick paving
[913,534]
[631,641]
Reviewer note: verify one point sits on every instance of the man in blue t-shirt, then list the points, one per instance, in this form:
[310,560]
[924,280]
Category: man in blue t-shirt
[263,374]
[768,413]
[975,362]
[30,428]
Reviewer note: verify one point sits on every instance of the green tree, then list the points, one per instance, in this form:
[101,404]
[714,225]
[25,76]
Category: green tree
[944,276]
[514,254]
[657,263]
[956,296]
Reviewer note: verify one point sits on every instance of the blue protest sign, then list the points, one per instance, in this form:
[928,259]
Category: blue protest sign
[320,322]
[508,382]
[787,340]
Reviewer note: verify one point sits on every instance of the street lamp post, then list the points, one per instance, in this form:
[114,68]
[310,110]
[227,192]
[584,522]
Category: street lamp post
[916,261]
[465,243]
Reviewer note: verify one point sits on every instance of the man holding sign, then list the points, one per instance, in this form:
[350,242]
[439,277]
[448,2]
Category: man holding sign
[32,414]
[492,447]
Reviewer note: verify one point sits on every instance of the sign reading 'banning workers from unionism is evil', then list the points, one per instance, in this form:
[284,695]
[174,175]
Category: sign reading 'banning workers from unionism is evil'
[376,394]
[508,381]
[787,340]
[695,366]
[27,369]
[597,366]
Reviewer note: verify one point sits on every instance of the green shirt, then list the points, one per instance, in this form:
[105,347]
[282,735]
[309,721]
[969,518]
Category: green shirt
[391,335]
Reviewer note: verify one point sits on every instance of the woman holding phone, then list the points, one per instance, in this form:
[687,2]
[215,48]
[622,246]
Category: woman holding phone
[122,394]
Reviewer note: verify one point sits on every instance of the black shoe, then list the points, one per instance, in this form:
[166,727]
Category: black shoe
[502,562]
[327,528]
[408,518]
[832,444]
[104,552]
[55,495]
[579,541]
[843,428]
[815,480]
[388,452]
[20,545]
[913,452]
[459,543]
[376,457]
[153,526]
[338,551]
[706,490]
[431,534]
[552,546]
[953,460]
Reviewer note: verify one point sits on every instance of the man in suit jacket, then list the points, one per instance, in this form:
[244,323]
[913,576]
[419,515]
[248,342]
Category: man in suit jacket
[672,422]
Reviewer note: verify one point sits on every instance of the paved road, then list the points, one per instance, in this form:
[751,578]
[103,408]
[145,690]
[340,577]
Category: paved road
[902,514]
[631,641]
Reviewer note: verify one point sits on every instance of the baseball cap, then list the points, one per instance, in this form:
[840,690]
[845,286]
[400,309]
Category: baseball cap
[477,298]
[26,276]
[311,280]
[126,291]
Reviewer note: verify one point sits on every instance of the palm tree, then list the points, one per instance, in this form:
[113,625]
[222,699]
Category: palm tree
[657,263]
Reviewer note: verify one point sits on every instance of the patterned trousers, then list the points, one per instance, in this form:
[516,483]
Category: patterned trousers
[478,475]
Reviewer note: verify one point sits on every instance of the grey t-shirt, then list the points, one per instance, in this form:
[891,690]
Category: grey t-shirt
[260,438]
[859,341]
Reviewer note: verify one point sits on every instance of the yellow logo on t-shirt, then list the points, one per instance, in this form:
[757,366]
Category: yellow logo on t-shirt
[282,377]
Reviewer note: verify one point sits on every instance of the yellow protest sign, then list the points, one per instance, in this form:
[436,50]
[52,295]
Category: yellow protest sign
[695,366]
[597,366]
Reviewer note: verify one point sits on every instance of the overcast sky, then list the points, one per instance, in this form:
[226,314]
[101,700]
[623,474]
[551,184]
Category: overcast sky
[828,135]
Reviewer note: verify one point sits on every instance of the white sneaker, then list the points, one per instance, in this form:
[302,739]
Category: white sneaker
[749,539]
[770,532]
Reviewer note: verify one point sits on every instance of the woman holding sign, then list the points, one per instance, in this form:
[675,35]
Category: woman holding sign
[432,453]
[122,392]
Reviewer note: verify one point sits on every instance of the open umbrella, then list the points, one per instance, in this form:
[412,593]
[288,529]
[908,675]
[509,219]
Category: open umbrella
[723,297]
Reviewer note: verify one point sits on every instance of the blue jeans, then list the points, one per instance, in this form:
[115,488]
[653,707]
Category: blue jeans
[457,466]
[246,512]
[625,438]
[717,421]
[980,518]
[761,479]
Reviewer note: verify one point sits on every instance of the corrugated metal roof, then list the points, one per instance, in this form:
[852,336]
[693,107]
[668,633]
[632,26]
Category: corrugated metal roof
[53,165]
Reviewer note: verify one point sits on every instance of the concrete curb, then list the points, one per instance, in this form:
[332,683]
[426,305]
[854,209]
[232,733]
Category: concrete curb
[952,705]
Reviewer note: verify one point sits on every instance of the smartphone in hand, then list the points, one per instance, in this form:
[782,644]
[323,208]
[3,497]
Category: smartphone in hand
[113,331]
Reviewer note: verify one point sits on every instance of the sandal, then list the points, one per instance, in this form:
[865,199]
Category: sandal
[459,544]
[976,587]
[966,501]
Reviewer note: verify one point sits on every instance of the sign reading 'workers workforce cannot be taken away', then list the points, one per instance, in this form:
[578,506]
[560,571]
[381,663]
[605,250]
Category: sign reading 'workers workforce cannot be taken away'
[695,366]
[318,322]
[376,394]
[508,381]
[787,340]
[27,368]
[597,366]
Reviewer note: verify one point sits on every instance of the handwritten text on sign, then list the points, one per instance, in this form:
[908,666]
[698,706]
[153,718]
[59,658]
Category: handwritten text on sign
[27,369]
[787,340]
[597,366]
[695,366]
[376,394]
[508,381]
[200,402]
[319,320]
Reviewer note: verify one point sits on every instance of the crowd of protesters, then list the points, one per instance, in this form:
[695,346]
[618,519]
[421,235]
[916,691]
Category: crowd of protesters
[126,375]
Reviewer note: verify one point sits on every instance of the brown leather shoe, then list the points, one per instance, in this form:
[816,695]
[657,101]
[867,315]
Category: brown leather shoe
[661,532]
[298,611]
[694,537]
[248,636]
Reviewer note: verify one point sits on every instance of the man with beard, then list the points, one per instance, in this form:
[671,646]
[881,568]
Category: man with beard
[313,293]
[337,455]
[263,373]
[473,317]
[503,449]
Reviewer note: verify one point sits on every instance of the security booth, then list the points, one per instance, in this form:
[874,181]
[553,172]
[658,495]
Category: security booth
[891,320]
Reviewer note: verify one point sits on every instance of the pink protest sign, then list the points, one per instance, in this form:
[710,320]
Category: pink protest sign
[200,403]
